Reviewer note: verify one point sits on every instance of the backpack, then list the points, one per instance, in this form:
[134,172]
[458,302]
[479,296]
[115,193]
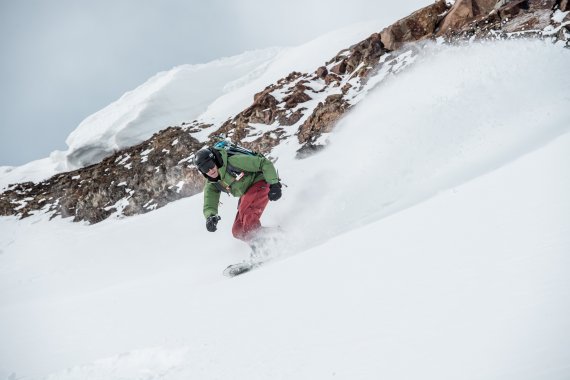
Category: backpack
[233,149]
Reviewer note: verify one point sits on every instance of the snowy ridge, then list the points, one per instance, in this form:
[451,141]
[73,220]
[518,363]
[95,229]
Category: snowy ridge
[209,93]
[471,283]
[157,165]
[305,58]
[168,98]
[301,106]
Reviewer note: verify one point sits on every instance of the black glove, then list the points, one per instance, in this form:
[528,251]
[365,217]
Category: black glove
[212,223]
[274,191]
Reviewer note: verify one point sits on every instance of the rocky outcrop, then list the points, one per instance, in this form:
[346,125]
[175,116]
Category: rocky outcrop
[322,120]
[301,106]
[133,181]
[356,60]
[464,11]
[419,25]
[512,19]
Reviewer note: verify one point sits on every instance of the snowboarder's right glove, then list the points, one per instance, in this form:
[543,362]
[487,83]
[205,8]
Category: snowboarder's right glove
[274,191]
[212,223]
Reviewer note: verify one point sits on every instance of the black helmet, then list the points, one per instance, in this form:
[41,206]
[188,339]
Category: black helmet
[206,158]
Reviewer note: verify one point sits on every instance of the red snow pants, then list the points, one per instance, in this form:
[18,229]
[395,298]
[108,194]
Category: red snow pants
[250,208]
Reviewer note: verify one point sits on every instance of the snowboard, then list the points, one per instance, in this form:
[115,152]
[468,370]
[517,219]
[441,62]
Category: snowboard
[241,268]
[262,247]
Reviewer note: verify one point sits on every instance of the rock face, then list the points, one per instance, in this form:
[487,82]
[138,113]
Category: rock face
[419,25]
[464,11]
[511,19]
[301,106]
[322,120]
[133,181]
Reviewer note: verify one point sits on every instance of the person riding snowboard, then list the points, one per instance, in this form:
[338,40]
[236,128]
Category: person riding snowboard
[252,178]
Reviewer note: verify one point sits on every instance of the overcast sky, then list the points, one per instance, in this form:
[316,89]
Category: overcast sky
[63,60]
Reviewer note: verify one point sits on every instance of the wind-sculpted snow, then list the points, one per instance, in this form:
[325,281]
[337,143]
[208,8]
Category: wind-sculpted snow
[168,98]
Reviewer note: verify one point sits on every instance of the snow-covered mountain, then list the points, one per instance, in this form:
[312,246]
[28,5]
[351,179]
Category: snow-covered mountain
[169,98]
[379,278]
[208,93]
[293,114]
[430,238]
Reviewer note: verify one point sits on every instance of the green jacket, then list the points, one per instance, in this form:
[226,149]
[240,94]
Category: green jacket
[254,169]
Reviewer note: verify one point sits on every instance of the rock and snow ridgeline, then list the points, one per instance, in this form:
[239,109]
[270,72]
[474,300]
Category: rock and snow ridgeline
[445,247]
[450,237]
[294,114]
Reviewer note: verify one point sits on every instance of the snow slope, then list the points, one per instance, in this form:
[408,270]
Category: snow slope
[430,240]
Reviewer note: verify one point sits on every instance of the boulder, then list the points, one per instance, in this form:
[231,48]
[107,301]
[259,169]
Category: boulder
[512,9]
[323,118]
[322,72]
[526,15]
[418,25]
[340,68]
[298,96]
[464,11]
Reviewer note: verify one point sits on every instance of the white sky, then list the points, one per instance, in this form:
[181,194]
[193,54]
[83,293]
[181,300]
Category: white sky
[62,61]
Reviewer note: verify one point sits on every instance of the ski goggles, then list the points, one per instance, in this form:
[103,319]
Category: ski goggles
[206,166]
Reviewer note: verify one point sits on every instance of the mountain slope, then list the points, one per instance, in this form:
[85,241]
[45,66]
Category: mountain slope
[208,93]
[470,284]
[168,98]
[297,111]
[380,278]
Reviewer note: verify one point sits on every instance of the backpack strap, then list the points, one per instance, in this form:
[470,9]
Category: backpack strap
[234,172]
[221,187]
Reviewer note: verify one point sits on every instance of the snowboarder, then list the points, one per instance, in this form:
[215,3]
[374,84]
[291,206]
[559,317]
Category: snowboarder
[252,178]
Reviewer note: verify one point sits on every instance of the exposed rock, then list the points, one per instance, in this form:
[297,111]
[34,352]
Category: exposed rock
[158,171]
[512,9]
[371,49]
[264,99]
[365,55]
[361,57]
[526,15]
[297,96]
[322,72]
[332,78]
[529,18]
[419,25]
[266,109]
[340,68]
[464,11]
[519,17]
[308,150]
[323,118]
[135,180]
[289,119]
[263,108]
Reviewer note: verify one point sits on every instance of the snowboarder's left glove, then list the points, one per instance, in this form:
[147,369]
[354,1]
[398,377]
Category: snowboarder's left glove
[274,191]
[212,223]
